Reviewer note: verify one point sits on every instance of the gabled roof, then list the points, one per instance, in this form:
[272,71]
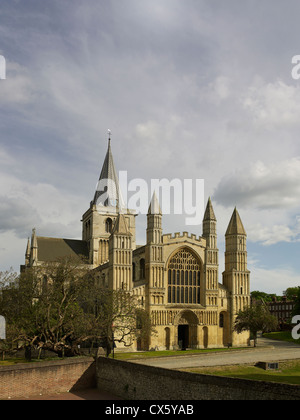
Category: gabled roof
[235,226]
[51,249]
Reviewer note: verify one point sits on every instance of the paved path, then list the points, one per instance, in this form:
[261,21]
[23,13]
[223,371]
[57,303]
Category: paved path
[267,350]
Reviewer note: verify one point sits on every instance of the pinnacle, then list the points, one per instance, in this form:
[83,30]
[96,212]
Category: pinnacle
[209,212]
[235,226]
[121,225]
[154,207]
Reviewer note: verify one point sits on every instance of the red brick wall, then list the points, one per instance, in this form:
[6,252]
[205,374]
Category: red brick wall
[42,378]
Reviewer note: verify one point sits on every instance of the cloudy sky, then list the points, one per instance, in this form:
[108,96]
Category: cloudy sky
[193,89]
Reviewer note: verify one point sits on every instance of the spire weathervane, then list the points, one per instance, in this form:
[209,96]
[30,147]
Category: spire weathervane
[109,134]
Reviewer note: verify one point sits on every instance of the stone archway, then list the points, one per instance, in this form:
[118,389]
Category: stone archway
[205,337]
[187,327]
[167,338]
[224,328]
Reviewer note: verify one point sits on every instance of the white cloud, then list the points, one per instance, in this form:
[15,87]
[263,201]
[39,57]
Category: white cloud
[24,205]
[273,104]
[18,88]
[270,235]
[262,186]
[273,280]
[219,90]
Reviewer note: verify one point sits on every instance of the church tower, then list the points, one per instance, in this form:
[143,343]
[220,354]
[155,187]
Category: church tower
[211,255]
[98,221]
[236,276]
[154,265]
[120,256]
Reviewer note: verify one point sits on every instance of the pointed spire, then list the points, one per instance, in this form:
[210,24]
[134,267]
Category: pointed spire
[209,212]
[33,239]
[108,189]
[154,207]
[27,253]
[121,225]
[235,226]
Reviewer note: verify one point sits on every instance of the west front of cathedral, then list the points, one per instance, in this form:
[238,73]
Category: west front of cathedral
[173,276]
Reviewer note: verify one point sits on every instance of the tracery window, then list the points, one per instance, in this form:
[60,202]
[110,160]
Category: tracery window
[184,273]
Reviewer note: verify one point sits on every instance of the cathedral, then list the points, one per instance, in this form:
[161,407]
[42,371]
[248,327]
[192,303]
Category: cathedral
[175,277]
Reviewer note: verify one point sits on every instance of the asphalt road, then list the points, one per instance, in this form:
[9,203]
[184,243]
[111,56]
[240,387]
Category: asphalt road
[266,351]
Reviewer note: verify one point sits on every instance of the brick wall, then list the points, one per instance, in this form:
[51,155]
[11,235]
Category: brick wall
[42,378]
[139,382]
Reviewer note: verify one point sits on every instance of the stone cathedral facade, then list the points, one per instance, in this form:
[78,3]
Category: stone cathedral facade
[175,277]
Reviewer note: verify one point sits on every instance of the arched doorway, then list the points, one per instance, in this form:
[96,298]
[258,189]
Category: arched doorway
[205,337]
[186,322]
[223,325]
[167,338]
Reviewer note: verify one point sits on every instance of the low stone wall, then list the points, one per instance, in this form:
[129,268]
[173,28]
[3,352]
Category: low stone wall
[44,378]
[140,382]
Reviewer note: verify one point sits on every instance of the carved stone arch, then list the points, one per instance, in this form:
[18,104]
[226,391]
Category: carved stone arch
[186,323]
[187,248]
[186,317]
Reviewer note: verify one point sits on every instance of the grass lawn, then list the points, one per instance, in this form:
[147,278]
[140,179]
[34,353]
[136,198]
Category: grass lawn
[283,336]
[10,362]
[288,372]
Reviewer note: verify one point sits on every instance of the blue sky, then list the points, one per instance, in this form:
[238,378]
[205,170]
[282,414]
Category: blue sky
[190,89]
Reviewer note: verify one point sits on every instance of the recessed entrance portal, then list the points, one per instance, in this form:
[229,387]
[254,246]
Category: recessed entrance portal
[183,336]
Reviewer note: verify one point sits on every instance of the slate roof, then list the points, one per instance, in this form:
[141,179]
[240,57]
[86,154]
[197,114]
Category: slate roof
[51,249]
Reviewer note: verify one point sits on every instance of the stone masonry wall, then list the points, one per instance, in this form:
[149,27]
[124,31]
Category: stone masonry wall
[42,378]
[140,382]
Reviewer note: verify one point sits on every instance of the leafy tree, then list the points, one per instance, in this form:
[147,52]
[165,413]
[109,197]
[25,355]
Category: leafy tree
[59,306]
[262,296]
[117,317]
[255,318]
[291,293]
[296,310]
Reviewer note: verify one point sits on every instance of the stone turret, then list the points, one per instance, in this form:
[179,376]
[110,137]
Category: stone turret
[236,276]
[211,255]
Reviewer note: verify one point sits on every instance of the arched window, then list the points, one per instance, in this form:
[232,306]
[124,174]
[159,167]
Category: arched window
[184,270]
[133,272]
[108,225]
[221,321]
[142,268]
